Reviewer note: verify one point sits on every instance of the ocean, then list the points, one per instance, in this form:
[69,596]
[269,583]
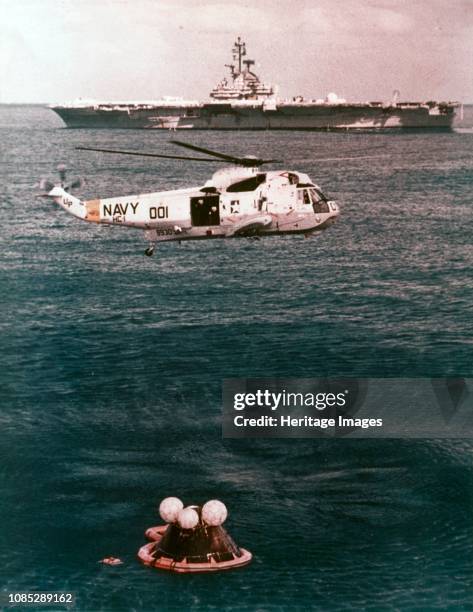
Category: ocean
[111,369]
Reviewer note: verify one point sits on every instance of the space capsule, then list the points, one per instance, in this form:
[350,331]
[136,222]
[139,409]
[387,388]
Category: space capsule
[192,540]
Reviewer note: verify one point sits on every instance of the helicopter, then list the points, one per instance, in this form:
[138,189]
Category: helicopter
[239,200]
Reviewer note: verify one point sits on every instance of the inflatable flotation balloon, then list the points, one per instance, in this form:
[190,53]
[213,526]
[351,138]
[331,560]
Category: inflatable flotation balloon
[169,508]
[214,513]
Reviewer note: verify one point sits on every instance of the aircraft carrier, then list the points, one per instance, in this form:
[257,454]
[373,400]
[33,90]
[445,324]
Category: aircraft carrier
[242,102]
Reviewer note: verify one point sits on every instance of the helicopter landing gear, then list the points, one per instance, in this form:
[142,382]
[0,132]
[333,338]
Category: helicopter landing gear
[150,237]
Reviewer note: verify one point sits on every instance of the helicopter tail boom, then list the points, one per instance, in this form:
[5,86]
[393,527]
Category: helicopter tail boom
[87,211]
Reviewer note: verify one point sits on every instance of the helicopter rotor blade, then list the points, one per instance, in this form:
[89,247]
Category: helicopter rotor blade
[186,145]
[119,152]
[266,161]
[353,157]
[242,161]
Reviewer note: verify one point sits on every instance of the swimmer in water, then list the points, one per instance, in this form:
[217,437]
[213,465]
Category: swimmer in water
[111,561]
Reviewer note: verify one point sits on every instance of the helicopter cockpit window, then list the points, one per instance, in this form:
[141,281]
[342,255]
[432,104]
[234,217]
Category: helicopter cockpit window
[317,195]
[303,195]
[321,207]
[319,202]
[249,184]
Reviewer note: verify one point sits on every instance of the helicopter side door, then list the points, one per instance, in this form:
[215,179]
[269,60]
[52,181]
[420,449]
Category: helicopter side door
[205,210]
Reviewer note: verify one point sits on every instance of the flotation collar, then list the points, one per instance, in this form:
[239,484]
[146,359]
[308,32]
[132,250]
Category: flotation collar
[153,556]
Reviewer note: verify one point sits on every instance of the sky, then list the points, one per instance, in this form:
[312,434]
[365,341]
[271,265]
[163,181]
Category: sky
[60,50]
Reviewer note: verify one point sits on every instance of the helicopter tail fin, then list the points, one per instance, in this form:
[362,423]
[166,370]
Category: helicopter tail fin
[59,192]
[70,203]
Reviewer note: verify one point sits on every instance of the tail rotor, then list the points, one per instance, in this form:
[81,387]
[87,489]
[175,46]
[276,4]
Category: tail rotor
[62,174]
[46,185]
[76,183]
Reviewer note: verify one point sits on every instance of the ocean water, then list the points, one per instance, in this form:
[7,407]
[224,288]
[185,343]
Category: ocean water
[111,366]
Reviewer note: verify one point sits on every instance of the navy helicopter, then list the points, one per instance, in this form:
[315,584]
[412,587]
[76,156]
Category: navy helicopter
[238,201]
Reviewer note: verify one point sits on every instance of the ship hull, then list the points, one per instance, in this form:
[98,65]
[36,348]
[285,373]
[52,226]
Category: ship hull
[217,116]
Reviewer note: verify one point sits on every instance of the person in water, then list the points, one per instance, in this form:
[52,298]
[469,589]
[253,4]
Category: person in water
[111,561]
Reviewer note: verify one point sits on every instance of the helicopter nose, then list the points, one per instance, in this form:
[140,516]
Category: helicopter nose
[334,207]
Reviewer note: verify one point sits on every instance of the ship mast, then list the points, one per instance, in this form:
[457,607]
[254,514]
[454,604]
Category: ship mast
[239,50]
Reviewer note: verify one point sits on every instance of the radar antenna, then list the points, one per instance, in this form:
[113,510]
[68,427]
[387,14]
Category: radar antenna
[248,63]
[232,69]
[239,50]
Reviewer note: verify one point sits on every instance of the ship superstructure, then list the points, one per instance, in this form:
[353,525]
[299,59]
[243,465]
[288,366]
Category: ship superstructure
[244,84]
[241,101]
